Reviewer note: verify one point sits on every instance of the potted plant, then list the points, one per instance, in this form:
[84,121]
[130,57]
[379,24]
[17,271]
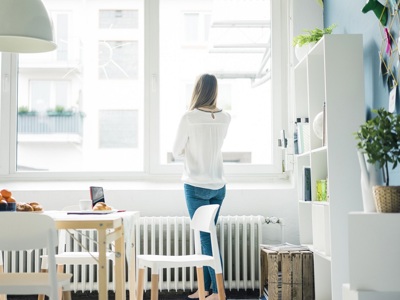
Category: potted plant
[59,111]
[304,42]
[379,139]
[24,110]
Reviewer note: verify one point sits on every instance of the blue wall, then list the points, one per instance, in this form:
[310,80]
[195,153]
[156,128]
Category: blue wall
[350,19]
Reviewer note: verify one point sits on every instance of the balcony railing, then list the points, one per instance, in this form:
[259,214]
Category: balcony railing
[63,123]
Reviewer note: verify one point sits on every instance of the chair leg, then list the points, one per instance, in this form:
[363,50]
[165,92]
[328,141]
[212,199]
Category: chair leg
[2,296]
[200,283]
[154,287]
[66,295]
[220,286]
[60,269]
[140,284]
[41,297]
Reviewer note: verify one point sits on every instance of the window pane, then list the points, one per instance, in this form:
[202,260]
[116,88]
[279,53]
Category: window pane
[114,19]
[118,60]
[81,106]
[236,47]
[118,129]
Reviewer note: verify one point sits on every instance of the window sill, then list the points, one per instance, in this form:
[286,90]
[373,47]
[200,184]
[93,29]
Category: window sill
[245,183]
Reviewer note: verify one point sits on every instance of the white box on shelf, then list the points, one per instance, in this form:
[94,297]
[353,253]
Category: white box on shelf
[374,251]
[349,294]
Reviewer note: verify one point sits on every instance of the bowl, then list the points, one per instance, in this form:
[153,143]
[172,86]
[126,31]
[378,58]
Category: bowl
[11,206]
[3,206]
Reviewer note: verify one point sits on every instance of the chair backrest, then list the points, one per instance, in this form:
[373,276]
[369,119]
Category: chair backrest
[26,231]
[204,220]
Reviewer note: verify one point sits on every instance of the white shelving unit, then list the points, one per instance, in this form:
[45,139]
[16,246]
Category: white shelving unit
[332,73]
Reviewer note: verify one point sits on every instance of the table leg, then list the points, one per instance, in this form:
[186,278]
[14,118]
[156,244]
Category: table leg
[103,284]
[120,292]
[2,297]
[132,272]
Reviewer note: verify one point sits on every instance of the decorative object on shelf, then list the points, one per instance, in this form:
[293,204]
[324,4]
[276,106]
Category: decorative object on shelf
[322,190]
[303,135]
[379,139]
[309,37]
[380,11]
[318,125]
[369,178]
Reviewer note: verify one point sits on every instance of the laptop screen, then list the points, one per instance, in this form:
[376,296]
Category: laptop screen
[97,194]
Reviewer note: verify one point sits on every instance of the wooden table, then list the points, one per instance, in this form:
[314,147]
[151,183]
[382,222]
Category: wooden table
[110,228]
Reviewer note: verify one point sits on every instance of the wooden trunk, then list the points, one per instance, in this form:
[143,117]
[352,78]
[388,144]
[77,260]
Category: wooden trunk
[287,275]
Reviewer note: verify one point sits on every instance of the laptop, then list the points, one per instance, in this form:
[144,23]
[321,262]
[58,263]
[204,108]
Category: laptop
[97,195]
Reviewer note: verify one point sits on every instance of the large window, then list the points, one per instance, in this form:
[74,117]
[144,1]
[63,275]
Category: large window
[109,99]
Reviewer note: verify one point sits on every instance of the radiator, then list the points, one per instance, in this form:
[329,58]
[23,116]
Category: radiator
[239,238]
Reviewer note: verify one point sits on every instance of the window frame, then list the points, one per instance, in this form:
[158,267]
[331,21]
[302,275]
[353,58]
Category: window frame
[153,169]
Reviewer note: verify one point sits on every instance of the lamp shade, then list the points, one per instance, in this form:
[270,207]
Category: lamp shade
[25,27]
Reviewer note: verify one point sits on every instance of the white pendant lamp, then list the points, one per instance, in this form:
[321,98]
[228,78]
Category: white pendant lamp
[25,27]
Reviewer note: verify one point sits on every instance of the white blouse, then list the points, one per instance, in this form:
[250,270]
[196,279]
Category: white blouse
[199,140]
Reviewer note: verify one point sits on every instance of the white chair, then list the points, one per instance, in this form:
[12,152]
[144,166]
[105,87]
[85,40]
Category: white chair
[2,297]
[26,231]
[71,258]
[203,220]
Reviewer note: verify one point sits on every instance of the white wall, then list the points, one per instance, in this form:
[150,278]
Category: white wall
[167,199]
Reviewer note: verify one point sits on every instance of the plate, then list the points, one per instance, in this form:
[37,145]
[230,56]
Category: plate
[92,212]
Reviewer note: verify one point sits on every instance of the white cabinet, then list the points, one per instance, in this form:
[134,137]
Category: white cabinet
[373,257]
[332,73]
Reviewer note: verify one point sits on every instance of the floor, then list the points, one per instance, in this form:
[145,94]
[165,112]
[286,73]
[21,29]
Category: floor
[234,294]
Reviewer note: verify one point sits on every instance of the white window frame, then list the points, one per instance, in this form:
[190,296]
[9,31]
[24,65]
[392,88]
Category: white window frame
[153,169]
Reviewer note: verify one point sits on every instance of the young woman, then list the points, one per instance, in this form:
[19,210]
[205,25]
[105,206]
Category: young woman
[199,140]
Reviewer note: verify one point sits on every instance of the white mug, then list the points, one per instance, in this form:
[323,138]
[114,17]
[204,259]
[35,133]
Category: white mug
[85,204]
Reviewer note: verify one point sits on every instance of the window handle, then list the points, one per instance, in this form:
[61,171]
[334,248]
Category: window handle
[6,83]
[154,82]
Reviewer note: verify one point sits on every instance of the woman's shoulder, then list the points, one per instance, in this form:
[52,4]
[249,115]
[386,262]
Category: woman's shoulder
[226,114]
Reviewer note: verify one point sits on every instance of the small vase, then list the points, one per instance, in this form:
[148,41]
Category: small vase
[302,51]
[369,178]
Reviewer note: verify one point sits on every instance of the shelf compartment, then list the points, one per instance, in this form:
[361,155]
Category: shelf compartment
[321,228]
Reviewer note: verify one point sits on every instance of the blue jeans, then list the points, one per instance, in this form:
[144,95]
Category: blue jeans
[196,197]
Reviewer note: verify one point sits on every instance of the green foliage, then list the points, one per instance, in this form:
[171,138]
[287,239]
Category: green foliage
[59,109]
[379,138]
[312,36]
[23,109]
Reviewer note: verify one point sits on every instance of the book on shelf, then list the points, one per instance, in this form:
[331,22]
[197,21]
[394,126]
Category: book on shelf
[285,247]
[307,183]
